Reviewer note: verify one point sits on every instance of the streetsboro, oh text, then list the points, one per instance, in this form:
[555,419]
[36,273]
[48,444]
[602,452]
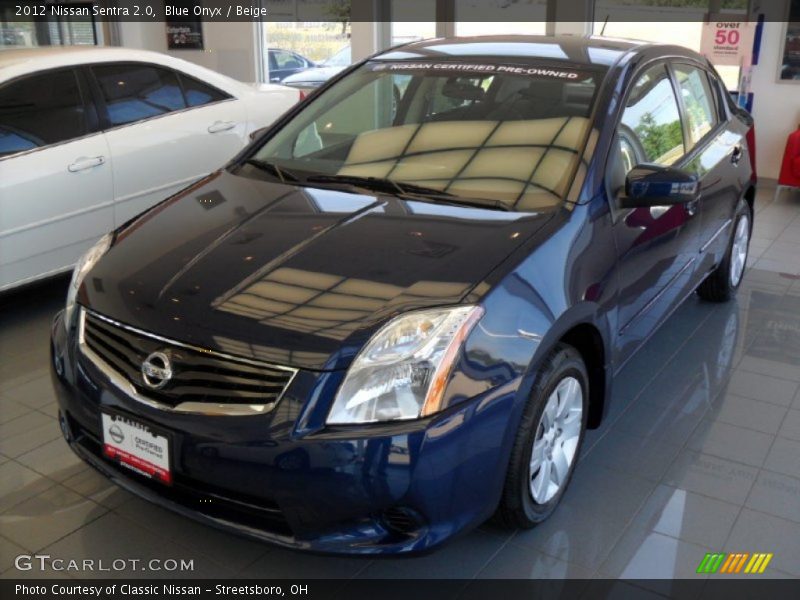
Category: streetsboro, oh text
[166,589]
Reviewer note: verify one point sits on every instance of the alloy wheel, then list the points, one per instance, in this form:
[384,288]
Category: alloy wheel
[741,239]
[556,440]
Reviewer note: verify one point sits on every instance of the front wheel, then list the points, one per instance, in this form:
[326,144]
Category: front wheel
[722,283]
[548,441]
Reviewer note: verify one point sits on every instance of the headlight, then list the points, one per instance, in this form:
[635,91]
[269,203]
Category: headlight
[402,371]
[84,265]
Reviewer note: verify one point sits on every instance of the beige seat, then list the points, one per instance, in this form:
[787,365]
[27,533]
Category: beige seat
[522,163]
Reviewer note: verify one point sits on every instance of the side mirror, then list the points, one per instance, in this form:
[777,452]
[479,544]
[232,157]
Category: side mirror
[653,185]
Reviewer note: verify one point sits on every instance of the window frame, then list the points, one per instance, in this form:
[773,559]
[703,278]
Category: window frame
[182,76]
[91,122]
[675,92]
[687,157]
[725,103]
[102,108]
[718,126]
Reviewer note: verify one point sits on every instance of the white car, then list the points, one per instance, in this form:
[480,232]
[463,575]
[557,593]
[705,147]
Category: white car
[90,137]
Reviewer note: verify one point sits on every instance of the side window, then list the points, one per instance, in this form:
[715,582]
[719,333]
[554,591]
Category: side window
[651,129]
[40,110]
[198,93]
[701,113]
[133,92]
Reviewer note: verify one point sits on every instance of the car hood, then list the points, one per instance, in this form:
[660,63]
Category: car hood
[294,275]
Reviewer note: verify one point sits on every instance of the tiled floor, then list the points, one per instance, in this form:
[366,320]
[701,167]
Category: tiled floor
[701,452]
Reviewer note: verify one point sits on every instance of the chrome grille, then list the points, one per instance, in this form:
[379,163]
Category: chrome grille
[198,376]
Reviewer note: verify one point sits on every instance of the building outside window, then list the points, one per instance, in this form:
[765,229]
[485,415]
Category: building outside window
[46,31]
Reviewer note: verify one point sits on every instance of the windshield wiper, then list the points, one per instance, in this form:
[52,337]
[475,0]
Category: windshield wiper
[283,174]
[375,184]
[404,189]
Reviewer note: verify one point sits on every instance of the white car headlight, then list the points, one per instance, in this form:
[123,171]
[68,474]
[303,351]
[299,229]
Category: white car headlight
[402,371]
[84,265]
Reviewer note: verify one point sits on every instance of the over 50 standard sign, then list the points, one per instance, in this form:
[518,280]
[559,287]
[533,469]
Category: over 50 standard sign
[728,43]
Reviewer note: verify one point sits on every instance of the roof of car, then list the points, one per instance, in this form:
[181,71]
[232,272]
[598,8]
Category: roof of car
[67,55]
[589,50]
[23,61]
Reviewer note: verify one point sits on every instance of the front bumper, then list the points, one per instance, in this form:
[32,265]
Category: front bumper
[396,488]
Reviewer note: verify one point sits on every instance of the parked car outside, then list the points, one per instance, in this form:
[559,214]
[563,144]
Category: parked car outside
[386,322]
[283,63]
[90,137]
[315,77]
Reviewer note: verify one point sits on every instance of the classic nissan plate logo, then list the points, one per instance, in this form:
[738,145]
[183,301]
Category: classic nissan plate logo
[156,370]
[116,433]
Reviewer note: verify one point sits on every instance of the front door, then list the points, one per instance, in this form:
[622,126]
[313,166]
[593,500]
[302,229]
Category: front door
[56,195]
[657,246]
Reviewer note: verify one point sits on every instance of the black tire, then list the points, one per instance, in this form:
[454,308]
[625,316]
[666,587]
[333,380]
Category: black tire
[717,286]
[517,508]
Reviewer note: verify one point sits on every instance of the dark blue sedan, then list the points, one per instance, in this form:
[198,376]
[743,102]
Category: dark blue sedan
[284,63]
[397,312]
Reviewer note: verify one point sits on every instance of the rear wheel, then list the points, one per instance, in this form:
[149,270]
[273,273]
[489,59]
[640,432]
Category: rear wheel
[722,283]
[548,441]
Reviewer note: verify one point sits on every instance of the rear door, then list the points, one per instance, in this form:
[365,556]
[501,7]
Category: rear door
[165,130]
[715,153]
[657,246]
[55,177]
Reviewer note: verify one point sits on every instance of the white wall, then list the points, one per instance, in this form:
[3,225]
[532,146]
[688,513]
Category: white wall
[230,48]
[776,106]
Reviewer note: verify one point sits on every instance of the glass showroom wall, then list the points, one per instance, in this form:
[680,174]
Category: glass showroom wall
[412,20]
[526,17]
[665,21]
[468,18]
[48,31]
[296,40]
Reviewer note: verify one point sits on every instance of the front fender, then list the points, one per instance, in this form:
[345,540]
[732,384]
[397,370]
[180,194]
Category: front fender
[503,356]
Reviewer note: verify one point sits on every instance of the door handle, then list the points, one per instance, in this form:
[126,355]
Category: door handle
[736,155]
[221,126]
[84,162]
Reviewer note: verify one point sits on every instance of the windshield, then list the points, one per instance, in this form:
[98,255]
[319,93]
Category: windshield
[504,134]
[340,59]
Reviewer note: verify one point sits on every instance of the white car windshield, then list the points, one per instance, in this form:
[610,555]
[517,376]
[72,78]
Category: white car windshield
[510,135]
[341,59]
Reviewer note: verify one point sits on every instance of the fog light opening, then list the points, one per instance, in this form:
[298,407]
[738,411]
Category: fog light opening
[58,365]
[403,520]
[65,428]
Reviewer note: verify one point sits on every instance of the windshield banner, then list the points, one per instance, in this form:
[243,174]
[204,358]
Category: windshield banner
[480,68]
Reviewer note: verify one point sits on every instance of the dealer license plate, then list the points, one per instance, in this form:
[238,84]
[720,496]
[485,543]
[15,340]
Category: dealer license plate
[136,446]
